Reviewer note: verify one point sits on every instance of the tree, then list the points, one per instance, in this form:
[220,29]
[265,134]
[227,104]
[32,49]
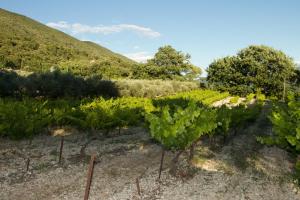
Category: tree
[168,56]
[253,68]
[296,78]
[10,83]
[171,64]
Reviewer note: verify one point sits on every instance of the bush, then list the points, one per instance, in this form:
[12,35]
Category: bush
[22,119]
[180,129]
[58,84]
[10,84]
[153,88]
[234,99]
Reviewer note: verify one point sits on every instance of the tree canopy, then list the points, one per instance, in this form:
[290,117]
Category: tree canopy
[168,63]
[253,68]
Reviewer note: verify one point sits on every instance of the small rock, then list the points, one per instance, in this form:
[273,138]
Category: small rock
[295,190]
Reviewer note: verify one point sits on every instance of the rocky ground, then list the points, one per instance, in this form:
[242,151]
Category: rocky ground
[239,169]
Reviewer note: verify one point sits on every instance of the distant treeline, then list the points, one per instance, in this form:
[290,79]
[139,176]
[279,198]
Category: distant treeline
[59,84]
[167,64]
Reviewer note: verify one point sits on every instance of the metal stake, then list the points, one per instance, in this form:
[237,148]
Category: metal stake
[161,162]
[27,164]
[138,186]
[61,148]
[89,177]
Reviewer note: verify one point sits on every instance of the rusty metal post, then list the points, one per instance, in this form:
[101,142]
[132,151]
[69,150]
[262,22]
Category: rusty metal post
[138,186]
[61,148]
[27,164]
[89,177]
[161,162]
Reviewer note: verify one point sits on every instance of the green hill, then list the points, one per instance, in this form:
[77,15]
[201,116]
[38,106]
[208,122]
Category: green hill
[28,45]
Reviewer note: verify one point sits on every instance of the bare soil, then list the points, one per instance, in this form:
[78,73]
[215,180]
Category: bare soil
[240,169]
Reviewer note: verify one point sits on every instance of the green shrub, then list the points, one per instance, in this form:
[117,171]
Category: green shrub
[179,130]
[234,99]
[153,88]
[22,119]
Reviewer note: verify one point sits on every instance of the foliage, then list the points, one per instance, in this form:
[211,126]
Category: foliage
[182,128]
[10,84]
[295,81]
[206,97]
[234,99]
[285,119]
[249,97]
[255,67]
[106,114]
[258,96]
[54,85]
[243,114]
[22,119]
[224,120]
[154,88]
[218,97]
[59,84]
[65,112]
[235,117]
[167,64]
[27,117]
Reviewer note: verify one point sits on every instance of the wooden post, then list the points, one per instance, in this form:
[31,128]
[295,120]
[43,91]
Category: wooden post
[89,177]
[161,162]
[27,164]
[61,148]
[138,186]
[192,152]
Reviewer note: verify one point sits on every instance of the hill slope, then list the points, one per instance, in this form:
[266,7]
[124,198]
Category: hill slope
[29,45]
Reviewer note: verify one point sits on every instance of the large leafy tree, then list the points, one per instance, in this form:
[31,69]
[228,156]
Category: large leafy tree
[296,77]
[168,63]
[253,68]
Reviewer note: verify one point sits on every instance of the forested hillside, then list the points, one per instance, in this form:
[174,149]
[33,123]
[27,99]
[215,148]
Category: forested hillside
[31,46]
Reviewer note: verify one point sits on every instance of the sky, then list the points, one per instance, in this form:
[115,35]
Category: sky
[207,30]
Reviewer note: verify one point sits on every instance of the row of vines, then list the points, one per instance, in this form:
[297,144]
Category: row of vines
[180,128]
[28,117]
[285,119]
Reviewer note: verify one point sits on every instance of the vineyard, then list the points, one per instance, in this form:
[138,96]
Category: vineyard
[183,133]
[179,124]
[140,119]
[25,118]
[187,134]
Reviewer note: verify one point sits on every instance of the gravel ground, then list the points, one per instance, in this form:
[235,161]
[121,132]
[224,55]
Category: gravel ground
[239,169]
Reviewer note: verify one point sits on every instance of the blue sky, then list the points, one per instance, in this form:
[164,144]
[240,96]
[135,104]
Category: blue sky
[205,29]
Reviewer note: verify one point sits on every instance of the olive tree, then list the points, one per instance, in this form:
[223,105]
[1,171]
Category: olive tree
[168,63]
[253,68]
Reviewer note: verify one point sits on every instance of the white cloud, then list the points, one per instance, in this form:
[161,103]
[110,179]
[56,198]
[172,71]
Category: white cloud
[59,25]
[136,47]
[76,28]
[141,57]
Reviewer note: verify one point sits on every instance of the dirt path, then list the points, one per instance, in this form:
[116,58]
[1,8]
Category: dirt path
[242,169]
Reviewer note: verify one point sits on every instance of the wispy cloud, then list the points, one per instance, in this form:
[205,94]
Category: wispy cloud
[77,28]
[141,57]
